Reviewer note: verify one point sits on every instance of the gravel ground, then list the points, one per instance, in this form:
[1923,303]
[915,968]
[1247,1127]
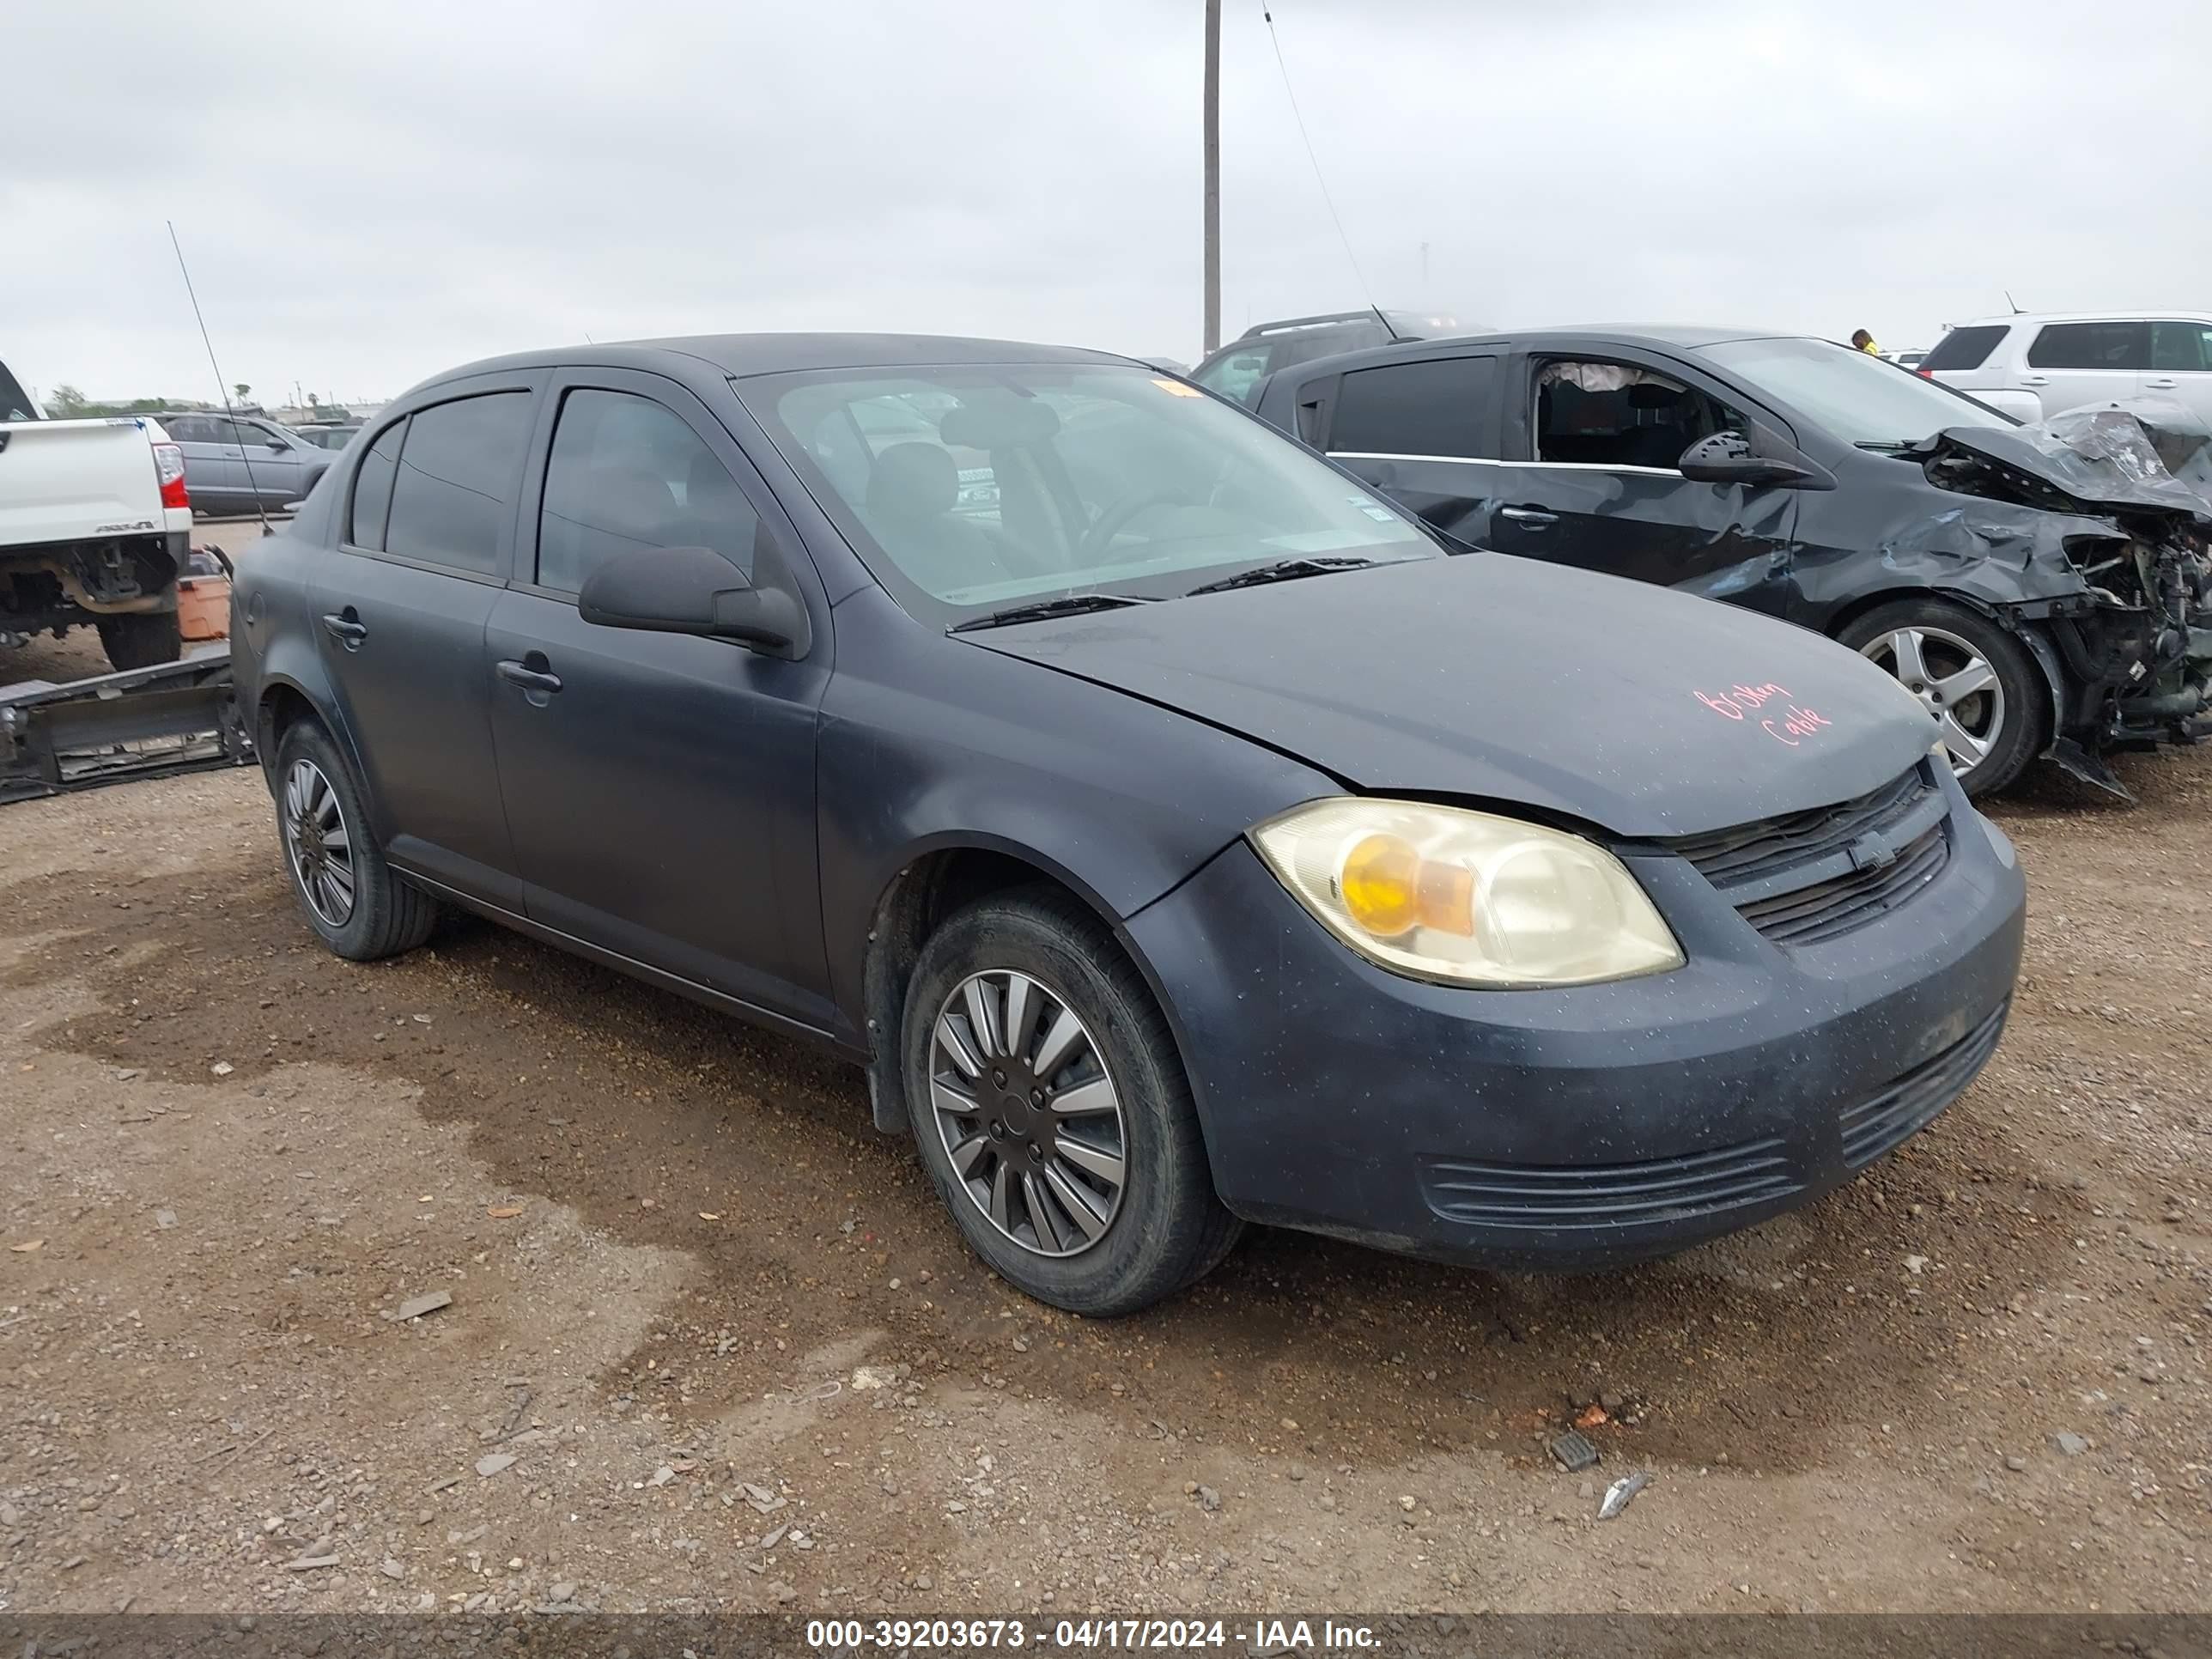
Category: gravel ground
[710,1343]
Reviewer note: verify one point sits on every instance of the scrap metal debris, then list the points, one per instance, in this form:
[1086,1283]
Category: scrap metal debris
[416,1307]
[1574,1451]
[1620,1493]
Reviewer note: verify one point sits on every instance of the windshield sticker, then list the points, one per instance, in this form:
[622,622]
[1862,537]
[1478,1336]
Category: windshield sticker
[1788,724]
[1178,388]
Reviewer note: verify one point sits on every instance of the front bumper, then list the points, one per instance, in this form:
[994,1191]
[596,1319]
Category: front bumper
[1591,1125]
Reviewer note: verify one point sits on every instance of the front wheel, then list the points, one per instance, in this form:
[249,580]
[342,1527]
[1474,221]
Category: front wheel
[1991,701]
[1051,1110]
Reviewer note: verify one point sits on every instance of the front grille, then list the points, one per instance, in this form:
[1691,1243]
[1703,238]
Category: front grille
[1810,875]
[1910,1104]
[1607,1195]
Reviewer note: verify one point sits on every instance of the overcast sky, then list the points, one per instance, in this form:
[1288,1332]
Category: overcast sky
[371,193]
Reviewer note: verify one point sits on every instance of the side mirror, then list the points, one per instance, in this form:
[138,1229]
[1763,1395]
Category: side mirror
[693,590]
[276,442]
[1731,458]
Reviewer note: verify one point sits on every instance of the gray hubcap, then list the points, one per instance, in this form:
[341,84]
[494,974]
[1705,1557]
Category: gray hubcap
[1028,1112]
[1954,682]
[318,843]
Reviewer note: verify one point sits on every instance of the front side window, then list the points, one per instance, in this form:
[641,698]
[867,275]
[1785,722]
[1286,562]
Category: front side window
[1103,478]
[2092,345]
[1601,414]
[2180,347]
[459,470]
[1437,406]
[628,473]
[1858,399]
[372,489]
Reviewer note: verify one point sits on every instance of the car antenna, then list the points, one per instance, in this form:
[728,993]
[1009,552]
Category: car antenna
[260,507]
[2014,304]
[1396,339]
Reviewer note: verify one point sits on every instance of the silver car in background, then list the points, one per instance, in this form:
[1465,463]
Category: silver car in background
[243,463]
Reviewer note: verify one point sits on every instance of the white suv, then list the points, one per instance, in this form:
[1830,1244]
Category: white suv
[2033,366]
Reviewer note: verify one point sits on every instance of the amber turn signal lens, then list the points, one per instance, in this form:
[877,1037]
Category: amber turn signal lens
[1389,890]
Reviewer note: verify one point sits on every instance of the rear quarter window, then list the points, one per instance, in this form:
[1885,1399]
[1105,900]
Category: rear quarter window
[372,489]
[1964,348]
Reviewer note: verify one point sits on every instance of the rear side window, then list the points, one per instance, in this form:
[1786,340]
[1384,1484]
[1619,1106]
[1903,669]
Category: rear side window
[14,402]
[1439,406]
[627,473]
[372,489]
[2181,347]
[2092,345]
[1966,348]
[459,470]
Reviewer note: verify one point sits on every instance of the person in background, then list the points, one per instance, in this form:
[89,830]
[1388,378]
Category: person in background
[1865,342]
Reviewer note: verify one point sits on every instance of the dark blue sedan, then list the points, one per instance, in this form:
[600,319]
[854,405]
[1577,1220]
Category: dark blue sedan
[1177,833]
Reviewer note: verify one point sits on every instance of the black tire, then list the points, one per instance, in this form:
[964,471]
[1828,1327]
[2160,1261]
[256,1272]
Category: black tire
[386,916]
[1169,1228]
[141,639]
[2016,728]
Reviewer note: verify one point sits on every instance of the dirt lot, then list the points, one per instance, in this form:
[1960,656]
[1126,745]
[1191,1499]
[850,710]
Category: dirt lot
[712,1344]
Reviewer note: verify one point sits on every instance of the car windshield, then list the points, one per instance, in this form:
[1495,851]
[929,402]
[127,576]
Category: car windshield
[969,489]
[1855,395]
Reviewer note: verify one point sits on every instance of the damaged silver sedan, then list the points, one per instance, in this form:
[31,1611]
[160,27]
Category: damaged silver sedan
[2044,591]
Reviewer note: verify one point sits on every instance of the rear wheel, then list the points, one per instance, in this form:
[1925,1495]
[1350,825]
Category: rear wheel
[355,903]
[141,639]
[1991,701]
[1050,1107]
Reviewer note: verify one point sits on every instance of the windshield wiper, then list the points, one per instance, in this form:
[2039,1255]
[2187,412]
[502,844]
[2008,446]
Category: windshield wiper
[1284,570]
[1070,605]
[1886,445]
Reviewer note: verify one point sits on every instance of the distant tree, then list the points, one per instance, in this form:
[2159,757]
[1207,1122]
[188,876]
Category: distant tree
[67,403]
[313,402]
[243,391]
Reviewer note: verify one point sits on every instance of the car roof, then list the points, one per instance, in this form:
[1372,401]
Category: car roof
[1583,337]
[742,355]
[2008,317]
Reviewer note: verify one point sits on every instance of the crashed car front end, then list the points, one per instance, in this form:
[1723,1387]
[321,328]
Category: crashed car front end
[2110,524]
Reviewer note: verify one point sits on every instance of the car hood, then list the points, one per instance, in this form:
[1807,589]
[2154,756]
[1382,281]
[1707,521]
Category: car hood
[1490,679]
[2145,454]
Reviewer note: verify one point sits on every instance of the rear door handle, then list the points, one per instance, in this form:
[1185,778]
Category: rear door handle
[346,628]
[529,678]
[1528,515]
[2035,379]
[2163,383]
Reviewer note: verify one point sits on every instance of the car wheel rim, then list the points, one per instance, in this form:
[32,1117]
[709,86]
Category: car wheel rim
[318,844]
[1954,682]
[1030,1116]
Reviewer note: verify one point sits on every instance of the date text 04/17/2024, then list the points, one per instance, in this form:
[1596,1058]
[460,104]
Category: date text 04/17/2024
[1262,1637]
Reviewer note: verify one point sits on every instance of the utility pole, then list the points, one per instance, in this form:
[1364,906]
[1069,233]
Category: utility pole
[1212,175]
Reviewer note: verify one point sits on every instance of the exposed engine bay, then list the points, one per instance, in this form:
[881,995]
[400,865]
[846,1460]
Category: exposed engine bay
[2116,534]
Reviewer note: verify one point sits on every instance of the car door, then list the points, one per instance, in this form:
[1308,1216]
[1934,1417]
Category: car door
[210,475]
[2068,364]
[660,786]
[1423,432]
[279,462]
[426,536]
[2181,364]
[1591,439]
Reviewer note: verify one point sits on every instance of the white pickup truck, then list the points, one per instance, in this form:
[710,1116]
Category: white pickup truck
[94,528]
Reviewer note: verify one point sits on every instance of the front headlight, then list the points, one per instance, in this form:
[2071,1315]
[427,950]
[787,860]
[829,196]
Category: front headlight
[1471,898]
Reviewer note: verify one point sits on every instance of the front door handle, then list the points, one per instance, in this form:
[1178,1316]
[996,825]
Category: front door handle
[2163,384]
[529,678]
[2035,379]
[345,628]
[1534,517]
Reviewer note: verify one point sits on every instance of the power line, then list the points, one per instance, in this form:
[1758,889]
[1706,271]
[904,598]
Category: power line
[1351,258]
